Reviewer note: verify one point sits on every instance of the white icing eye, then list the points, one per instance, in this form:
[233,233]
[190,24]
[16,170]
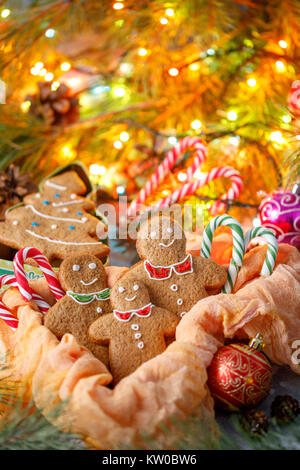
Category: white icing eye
[92,266]
[76,267]
[136,287]
[54,226]
[73,196]
[153,234]
[121,289]
[169,230]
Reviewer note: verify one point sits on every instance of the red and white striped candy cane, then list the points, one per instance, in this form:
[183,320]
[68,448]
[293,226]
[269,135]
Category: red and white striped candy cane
[10,280]
[172,157]
[5,313]
[204,178]
[25,290]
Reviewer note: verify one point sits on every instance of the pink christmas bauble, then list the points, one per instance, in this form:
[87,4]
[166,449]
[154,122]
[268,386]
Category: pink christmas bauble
[281,212]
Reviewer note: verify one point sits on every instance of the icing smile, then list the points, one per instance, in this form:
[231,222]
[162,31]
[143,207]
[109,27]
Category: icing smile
[89,283]
[166,245]
[130,300]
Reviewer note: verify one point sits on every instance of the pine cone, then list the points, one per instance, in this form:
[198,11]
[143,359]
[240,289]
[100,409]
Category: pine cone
[255,422]
[285,408]
[13,187]
[56,108]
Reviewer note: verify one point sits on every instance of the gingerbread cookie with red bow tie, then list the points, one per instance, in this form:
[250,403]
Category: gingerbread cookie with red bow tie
[136,331]
[83,277]
[175,280]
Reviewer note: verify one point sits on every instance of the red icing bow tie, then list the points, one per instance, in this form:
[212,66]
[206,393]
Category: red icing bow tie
[126,316]
[165,272]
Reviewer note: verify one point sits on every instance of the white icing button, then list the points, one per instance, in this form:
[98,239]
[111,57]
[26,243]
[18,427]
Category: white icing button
[135,327]
[76,267]
[92,266]
[140,345]
[54,226]
[182,314]
[174,287]
[138,335]
[179,302]
[99,310]
[73,196]
[15,222]
[65,209]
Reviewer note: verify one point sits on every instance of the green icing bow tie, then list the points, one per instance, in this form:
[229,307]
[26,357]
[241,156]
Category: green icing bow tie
[88,298]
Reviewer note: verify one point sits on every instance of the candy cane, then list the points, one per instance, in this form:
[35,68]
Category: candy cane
[238,249]
[10,280]
[168,164]
[5,313]
[204,178]
[25,290]
[272,251]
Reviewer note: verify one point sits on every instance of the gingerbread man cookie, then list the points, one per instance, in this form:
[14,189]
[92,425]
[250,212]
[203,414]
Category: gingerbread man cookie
[136,331]
[83,278]
[56,220]
[175,280]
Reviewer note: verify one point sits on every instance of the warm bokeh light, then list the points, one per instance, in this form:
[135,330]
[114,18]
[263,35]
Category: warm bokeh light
[251,82]
[5,13]
[164,21]
[97,170]
[118,144]
[277,137]
[143,51]
[49,77]
[124,136]
[173,72]
[50,33]
[232,115]
[67,152]
[280,65]
[119,92]
[55,86]
[283,44]
[118,6]
[196,124]
[65,66]
[286,118]
[25,106]
[170,12]
[172,140]
[182,177]
[194,66]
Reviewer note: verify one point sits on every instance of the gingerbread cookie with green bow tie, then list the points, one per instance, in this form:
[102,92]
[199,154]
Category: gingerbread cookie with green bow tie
[83,278]
[175,280]
[135,331]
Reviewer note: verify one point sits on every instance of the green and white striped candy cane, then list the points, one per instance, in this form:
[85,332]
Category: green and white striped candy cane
[238,249]
[272,251]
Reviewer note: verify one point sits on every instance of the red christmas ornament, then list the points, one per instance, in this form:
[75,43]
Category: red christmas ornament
[294,98]
[240,376]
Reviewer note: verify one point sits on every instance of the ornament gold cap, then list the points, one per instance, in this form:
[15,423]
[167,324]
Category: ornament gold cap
[257,342]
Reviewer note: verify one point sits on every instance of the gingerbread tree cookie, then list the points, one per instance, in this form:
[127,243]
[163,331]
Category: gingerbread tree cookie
[136,331]
[83,278]
[56,221]
[175,280]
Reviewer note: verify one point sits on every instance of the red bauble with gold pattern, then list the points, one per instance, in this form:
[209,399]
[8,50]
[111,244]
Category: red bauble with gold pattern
[239,377]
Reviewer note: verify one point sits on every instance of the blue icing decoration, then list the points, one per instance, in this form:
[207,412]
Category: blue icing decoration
[35,224]
[79,213]
[57,195]
[71,227]
[46,202]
